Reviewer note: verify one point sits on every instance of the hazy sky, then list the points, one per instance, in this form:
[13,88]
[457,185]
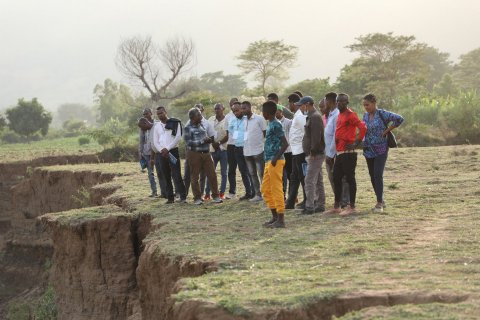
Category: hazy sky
[57,50]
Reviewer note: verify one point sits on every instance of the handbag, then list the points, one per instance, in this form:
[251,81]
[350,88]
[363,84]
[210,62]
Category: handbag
[391,140]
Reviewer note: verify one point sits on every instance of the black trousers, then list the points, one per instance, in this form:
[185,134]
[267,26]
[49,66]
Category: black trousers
[345,165]
[287,171]
[232,169]
[173,171]
[296,178]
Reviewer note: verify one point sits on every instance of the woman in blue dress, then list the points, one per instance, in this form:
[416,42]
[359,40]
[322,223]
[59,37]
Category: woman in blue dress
[375,147]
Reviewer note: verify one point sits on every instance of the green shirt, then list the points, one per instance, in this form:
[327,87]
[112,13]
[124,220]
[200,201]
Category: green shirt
[273,140]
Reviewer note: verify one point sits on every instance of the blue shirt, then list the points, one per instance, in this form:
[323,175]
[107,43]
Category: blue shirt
[374,144]
[236,130]
[273,140]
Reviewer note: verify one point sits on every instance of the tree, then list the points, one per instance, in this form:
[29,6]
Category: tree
[28,118]
[113,100]
[313,87]
[141,60]
[218,83]
[267,60]
[77,111]
[446,87]
[179,108]
[3,122]
[467,70]
[391,65]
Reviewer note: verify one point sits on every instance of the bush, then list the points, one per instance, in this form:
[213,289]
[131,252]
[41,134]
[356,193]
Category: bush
[11,137]
[83,140]
[113,133]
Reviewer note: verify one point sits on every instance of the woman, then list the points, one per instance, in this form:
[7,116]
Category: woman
[375,143]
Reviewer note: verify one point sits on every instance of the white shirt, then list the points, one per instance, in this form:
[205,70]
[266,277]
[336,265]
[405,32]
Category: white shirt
[286,124]
[297,131]
[163,139]
[329,134]
[228,117]
[150,136]
[254,128]
[220,131]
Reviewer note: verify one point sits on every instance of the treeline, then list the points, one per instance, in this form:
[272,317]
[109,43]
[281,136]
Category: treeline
[438,98]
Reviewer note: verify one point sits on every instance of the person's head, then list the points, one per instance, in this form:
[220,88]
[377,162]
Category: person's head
[299,93]
[247,108]
[218,108]
[370,103]
[269,109]
[195,116]
[323,106]
[237,110]
[147,113]
[144,124]
[162,113]
[305,104]
[279,113]
[272,97]
[200,107]
[232,101]
[291,101]
[342,101]
[331,101]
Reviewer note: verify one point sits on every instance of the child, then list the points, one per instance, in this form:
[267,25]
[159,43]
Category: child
[272,184]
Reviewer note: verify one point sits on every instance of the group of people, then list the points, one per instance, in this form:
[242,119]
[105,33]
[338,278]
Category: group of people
[276,152]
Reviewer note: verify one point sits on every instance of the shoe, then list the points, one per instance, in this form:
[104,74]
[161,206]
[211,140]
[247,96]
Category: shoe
[333,211]
[182,200]
[207,197]
[289,206]
[217,200]
[198,202]
[153,195]
[170,201]
[277,224]
[319,209]
[348,211]
[273,219]
[307,211]
[230,196]
[256,199]
[384,205]
[245,197]
[222,196]
[378,209]
[300,205]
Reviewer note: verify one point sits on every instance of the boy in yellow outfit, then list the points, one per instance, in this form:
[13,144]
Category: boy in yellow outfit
[272,183]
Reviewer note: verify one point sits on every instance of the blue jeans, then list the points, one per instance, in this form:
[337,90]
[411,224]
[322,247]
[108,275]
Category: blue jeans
[219,156]
[256,167]
[151,177]
[242,166]
[376,166]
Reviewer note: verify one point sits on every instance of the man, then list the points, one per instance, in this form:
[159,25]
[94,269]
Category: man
[330,149]
[287,170]
[232,162]
[145,151]
[253,147]
[236,132]
[147,114]
[166,136]
[346,140]
[295,138]
[286,113]
[198,137]
[187,176]
[314,149]
[218,149]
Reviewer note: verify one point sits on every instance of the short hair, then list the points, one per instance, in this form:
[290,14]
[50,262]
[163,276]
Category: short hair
[247,103]
[236,103]
[293,97]
[272,96]
[331,96]
[193,112]
[147,110]
[343,95]
[299,93]
[370,98]
[232,100]
[162,107]
[219,105]
[269,108]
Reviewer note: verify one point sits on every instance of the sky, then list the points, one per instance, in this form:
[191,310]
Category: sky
[58,50]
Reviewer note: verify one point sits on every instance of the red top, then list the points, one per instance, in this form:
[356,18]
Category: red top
[346,131]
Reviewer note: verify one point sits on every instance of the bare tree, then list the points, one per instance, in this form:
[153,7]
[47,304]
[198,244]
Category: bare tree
[141,60]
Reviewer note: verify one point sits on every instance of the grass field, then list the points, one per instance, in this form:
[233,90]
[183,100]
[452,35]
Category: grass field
[426,241]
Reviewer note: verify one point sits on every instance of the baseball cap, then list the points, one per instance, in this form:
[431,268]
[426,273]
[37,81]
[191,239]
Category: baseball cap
[304,100]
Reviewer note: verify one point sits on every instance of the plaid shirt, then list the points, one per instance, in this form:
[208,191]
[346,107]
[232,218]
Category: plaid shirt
[194,136]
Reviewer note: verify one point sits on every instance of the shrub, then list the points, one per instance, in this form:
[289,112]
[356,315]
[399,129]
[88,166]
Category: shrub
[83,140]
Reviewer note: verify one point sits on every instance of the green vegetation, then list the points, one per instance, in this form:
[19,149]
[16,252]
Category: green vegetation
[427,240]
[28,117]
[42,308]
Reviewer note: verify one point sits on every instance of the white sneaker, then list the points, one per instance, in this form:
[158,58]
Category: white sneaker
[198,202]
[377,209]
[256,199]
[217,200]
[230,196]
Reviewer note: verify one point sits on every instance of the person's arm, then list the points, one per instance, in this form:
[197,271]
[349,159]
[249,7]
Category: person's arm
[156,136]
[287,113]
[318,143]
[263,126]
[360,125]
[140,143]
[281,151]
[394,118]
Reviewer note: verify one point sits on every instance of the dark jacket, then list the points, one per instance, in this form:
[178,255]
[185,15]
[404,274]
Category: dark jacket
[313,141]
